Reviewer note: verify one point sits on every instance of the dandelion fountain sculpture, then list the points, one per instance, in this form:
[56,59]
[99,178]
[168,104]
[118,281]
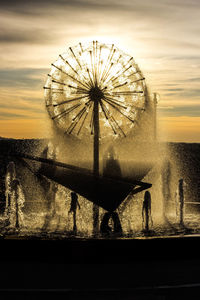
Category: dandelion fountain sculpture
[97,93]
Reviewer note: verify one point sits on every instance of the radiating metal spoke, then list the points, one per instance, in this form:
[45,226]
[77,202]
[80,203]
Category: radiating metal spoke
[75,120]
[115,102]
[107,73]
[95,60]
[120,85]
[115,78]
[69,76]
[116,108]
[122,71]
[52,89]
[67,63]
[99,66]
[81,47]
[137,80]
[109,94]
[118,126]
[134,73]
[78,89]
[66,111]
[110,56]
[114,121]
[70,100]
[58,82]
[87,112]
[91,81]
[107,118]
[92,67]
[127,92]
[78,62]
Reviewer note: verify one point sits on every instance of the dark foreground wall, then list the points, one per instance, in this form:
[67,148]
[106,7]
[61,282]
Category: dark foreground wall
[101,269]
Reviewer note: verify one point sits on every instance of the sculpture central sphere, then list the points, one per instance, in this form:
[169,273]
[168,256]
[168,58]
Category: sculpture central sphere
[96,93]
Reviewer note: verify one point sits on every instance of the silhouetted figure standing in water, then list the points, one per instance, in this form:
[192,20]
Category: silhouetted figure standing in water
[10,176]
[51,210]
[51,187]
[166,190]
[180,201]
[16,196]
[111,168]
[146,210]
[73,208]
[106,229]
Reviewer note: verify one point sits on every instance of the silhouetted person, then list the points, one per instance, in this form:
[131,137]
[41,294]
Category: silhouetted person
[117,223]
[111,166]
[10,176]
[112,169]
[50,187]
[51,210]
[73,208]
[180,196]
[16,196]
[106,229]
[146,210]
[166,191]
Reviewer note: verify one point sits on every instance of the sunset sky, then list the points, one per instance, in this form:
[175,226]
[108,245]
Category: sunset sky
[163,36]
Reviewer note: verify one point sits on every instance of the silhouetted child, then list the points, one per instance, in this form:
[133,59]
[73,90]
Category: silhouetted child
[73,208]
[146,210]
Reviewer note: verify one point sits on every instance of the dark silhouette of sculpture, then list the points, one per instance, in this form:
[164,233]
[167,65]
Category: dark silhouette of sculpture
[73,208]
[146,210]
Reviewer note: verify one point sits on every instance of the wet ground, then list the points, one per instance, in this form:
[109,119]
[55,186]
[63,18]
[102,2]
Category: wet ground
[168,229]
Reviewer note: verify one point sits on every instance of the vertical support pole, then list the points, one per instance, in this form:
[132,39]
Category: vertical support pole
[96,163]
[181,202]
